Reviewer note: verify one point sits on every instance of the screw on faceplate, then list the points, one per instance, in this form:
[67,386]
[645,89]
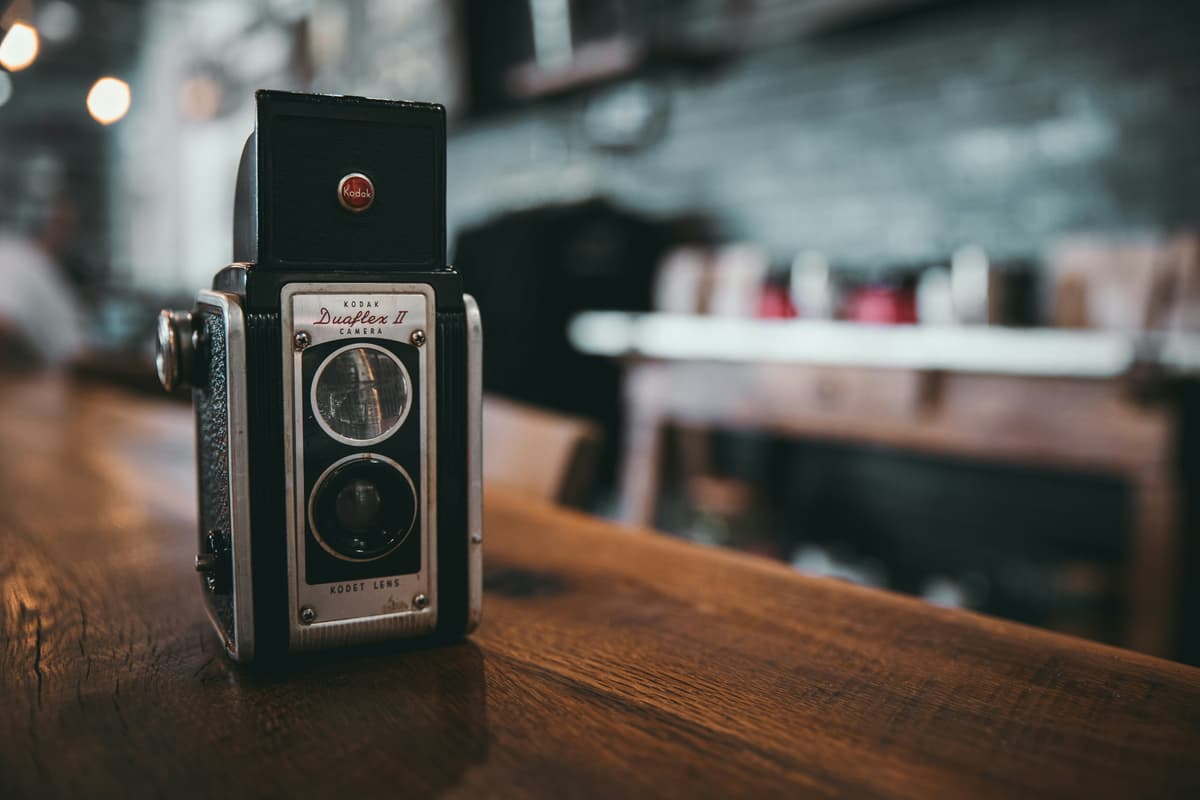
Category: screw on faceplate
[476,538]
[301,340]
[307,615]
[420,602]
[418,338]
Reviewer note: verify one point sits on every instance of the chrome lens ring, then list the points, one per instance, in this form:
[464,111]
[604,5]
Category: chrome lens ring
[361,394]
[362,507]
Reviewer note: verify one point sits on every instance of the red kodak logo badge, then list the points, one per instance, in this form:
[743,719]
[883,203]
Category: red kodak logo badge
[356,192]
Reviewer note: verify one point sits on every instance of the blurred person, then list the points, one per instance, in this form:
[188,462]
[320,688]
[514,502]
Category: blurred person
[41,323]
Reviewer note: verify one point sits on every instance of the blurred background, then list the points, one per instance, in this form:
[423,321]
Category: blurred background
[901,292]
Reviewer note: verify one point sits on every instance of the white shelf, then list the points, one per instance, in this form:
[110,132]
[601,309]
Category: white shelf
[1016,351]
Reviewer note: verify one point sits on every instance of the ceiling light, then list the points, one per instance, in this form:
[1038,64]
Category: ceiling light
[19,47]
[108,100]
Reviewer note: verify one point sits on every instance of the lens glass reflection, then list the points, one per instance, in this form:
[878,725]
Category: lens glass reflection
[362,394]
[359,507]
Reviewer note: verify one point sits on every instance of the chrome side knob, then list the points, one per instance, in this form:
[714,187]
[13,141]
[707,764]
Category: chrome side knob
[174,348]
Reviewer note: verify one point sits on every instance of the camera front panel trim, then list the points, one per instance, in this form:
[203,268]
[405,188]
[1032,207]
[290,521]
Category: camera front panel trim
[379,607]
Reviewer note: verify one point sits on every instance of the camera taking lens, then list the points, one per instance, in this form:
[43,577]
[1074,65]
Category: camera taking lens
[363,507]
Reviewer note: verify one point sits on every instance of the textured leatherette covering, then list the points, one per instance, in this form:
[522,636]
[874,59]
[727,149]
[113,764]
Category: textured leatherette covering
[211,400]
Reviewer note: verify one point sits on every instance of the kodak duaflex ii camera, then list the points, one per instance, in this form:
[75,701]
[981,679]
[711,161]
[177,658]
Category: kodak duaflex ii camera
[336,378]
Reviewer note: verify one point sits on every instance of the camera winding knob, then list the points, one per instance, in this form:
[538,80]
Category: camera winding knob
[175,345]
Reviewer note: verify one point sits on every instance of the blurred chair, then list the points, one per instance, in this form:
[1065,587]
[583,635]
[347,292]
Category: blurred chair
[538,452]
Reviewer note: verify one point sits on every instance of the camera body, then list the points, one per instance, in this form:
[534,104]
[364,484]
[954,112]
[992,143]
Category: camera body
[336,378]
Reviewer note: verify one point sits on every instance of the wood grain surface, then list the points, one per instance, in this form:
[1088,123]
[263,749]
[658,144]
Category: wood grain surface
[608,664]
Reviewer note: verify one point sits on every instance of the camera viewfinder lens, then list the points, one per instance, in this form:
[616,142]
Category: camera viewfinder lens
[361,394]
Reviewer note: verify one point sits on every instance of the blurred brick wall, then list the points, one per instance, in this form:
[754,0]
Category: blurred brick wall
[1001,123]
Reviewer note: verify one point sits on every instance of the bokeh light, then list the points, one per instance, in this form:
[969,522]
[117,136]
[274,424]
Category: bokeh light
[58,21]
[19,47]
[108,100]
[6,88]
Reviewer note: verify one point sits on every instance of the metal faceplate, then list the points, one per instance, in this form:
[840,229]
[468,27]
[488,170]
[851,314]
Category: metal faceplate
[224,468]
[329,614]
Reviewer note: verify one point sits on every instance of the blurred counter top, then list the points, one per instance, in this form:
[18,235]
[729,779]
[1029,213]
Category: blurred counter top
[611,662]
[983,349]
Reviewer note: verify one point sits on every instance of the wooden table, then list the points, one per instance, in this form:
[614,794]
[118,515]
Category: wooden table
[608,665]
[1040,397]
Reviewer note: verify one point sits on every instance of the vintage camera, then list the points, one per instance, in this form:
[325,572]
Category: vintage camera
[335,373]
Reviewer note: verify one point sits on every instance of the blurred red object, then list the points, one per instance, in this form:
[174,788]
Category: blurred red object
[775,302]
[883,305]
